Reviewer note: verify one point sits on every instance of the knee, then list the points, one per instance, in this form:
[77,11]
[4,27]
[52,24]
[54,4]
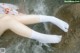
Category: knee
[8,18]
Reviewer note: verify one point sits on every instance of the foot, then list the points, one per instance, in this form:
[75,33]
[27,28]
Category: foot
[50,39]
[45,38]
[61,24]
[58,22]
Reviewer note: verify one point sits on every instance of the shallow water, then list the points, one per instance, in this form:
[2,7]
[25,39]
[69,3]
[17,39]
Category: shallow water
[17,44]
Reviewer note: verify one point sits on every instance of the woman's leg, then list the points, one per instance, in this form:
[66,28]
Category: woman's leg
[3,28]
[31,19]
[25,31]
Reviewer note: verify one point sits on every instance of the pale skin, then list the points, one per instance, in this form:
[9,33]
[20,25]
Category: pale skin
[16,23]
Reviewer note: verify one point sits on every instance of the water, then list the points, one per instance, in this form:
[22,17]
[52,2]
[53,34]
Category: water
[16,44]
[70,42]
[25,46]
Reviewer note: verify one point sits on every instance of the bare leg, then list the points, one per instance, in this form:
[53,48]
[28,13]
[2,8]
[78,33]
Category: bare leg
[28,19]
[25,31]
[3,28]
[19,28]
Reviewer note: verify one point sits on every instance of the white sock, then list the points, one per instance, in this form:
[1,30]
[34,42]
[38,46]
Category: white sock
[58,22]
[45,38]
